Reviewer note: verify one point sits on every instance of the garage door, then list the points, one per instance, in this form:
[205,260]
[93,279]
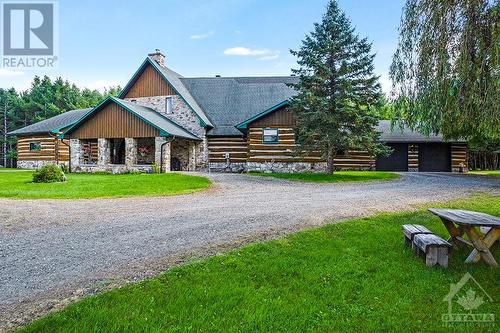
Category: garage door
[397,161]
[434,157]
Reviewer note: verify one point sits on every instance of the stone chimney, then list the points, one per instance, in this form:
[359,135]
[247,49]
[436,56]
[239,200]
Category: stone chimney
[158,57]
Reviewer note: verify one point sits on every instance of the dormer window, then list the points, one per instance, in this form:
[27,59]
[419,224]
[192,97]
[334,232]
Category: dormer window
[168,105]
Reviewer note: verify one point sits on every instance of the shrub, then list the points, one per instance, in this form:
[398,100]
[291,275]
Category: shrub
[64,168]
[155,167]
[49,173]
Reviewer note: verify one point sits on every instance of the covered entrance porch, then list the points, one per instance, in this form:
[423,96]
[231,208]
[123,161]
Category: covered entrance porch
[120,136]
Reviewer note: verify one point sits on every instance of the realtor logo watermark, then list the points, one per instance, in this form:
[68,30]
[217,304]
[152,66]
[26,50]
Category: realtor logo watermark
[464,302]
[29,34]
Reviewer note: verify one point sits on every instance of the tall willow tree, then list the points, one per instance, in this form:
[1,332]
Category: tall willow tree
[338,96]
[446,69]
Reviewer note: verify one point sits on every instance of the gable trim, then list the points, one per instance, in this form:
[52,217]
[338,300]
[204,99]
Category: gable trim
[151,62]
[244,125]
[111,99]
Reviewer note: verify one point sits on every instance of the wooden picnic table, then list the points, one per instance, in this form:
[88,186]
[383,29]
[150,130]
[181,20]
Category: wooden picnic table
[458,222]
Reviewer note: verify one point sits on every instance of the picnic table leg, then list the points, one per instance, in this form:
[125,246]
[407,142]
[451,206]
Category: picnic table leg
[490,238]
[480,246]
[454,233]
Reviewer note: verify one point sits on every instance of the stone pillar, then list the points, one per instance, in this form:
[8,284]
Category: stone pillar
[165,164]
[192,156]
[75,147]
[103,153]
[130,152]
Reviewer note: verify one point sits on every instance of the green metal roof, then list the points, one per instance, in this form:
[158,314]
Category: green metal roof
[166,126]
[243,125]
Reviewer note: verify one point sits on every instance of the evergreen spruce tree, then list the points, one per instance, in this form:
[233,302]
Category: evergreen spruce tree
[338,94]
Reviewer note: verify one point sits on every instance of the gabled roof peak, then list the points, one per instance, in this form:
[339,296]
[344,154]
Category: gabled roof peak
[173,79]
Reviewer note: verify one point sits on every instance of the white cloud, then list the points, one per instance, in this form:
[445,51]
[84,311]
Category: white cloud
[245,51]
[4,72]
[101,85]
[203,36]
[263,54]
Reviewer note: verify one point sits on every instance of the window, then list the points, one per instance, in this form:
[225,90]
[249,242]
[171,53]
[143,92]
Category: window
[35,146]
[270,135]
[168,105]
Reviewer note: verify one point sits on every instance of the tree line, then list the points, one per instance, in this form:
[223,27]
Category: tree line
[44,99]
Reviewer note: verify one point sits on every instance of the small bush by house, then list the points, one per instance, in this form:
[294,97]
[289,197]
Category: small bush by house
[49,173]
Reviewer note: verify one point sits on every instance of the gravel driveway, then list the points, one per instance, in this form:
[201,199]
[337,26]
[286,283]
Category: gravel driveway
[52,250]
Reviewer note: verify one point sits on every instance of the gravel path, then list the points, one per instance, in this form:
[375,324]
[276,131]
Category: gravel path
[58,249]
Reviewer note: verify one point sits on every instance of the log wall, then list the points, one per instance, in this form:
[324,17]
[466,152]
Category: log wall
[235,146]
[459,154]
[51,149]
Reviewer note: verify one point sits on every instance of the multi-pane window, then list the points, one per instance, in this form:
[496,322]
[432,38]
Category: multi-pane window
[270,135]
[35,146]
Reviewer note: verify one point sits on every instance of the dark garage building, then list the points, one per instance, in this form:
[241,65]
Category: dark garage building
[413,151]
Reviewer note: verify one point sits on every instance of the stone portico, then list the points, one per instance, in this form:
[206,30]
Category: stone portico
[138,139]
[164,148]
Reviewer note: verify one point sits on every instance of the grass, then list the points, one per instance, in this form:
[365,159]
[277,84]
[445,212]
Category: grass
[337,177]
[18,184]
[352,276]
[493,173]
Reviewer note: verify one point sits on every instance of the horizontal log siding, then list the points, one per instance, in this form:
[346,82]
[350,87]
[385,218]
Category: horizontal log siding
[412,157]
[283,151]
[51,149]
[149,83]
[113,122]
[235,146]
[459,153]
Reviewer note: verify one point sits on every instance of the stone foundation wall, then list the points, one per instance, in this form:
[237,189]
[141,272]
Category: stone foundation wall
[26,164]
[284,167]
[112,168]
[182,115]
[231,167]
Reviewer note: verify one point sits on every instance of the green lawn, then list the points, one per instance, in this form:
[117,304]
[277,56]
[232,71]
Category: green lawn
[337,177]
[18,184]
[493,173]
[355,276]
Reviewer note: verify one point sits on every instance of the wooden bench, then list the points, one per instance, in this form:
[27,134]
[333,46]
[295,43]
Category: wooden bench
[410,230]
[433,248]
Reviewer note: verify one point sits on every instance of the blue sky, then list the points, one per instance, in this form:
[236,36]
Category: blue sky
[102,43]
